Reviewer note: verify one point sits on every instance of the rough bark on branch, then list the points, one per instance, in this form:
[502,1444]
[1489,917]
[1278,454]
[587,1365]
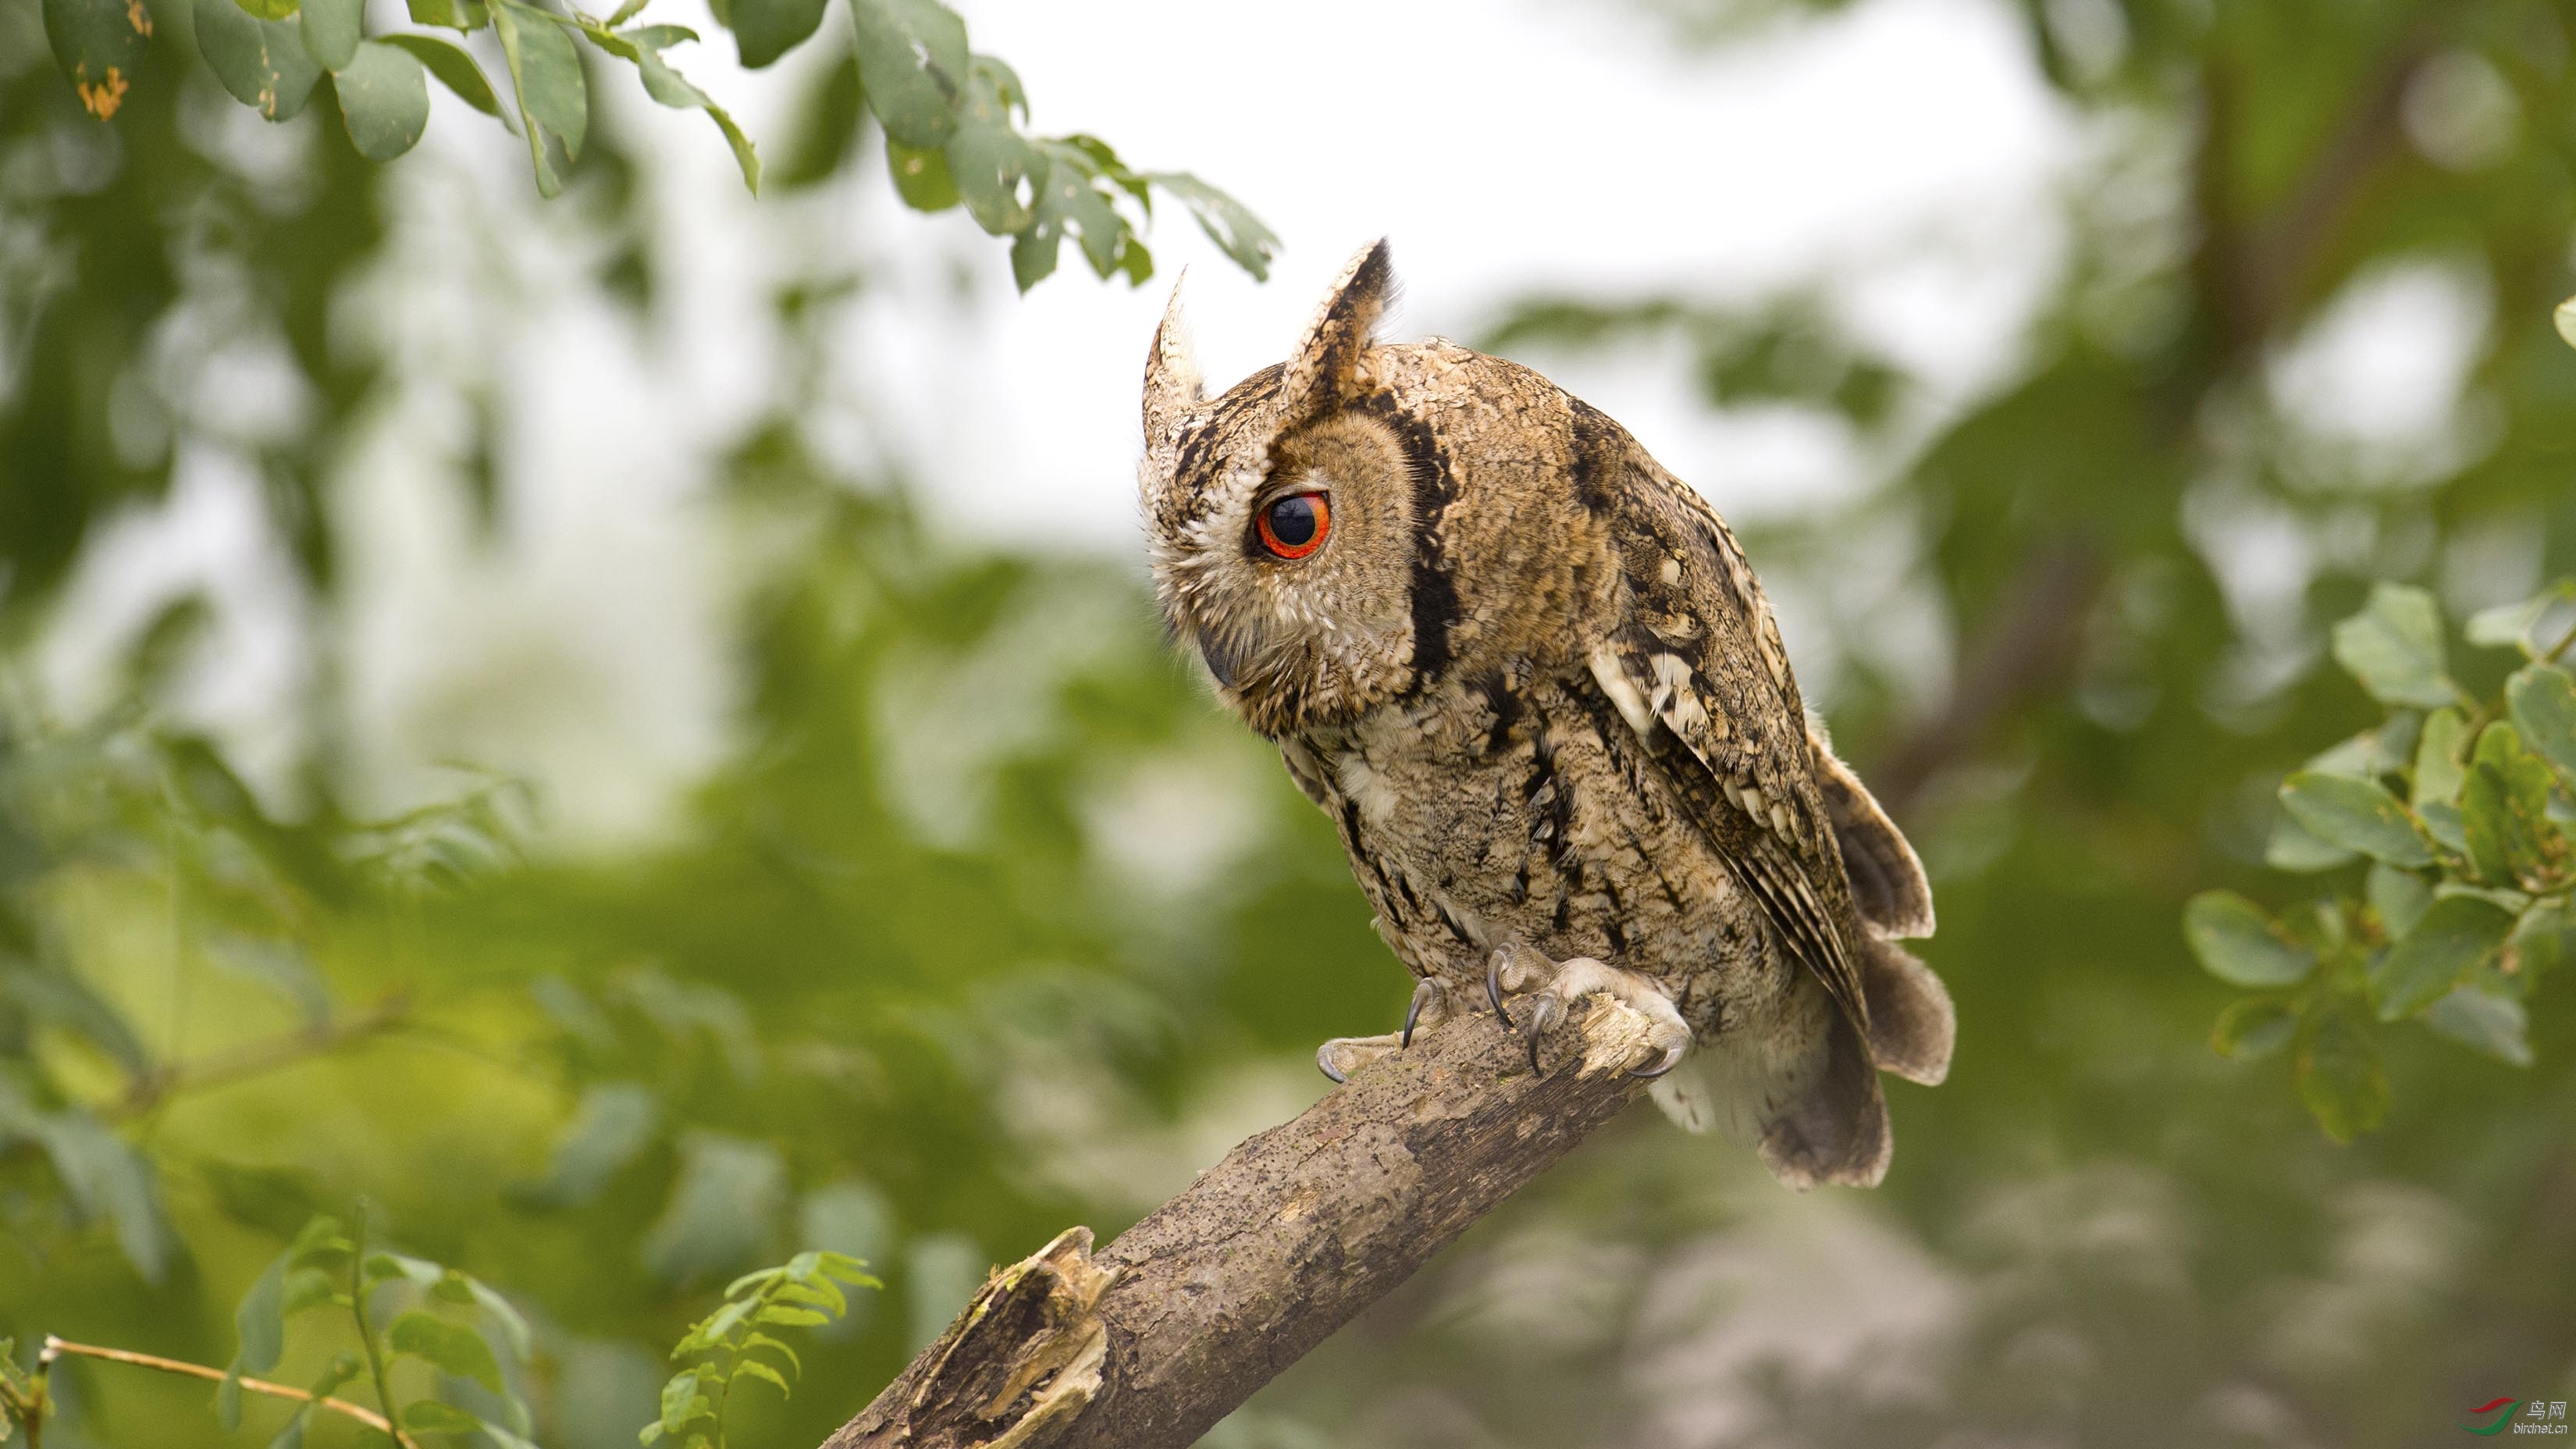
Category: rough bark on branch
[1149,1342]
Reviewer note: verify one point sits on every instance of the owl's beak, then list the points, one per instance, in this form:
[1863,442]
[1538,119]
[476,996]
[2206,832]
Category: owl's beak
[1221,662]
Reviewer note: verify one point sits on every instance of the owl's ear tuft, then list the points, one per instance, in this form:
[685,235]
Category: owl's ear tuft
[1172,383]
[1324,368]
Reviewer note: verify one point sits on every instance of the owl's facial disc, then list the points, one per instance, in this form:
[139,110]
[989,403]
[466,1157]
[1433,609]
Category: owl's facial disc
[1295,587]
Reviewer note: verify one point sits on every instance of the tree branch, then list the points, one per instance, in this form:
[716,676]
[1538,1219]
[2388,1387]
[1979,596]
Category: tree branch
[56,1347]
[1151,1341]
[252,1058]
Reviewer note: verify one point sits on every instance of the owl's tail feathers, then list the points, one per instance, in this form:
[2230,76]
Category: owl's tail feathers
[1911,1021]
[1837,1131]
[1817,1118]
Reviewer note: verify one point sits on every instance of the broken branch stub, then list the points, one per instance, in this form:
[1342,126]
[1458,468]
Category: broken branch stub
[1149,1342]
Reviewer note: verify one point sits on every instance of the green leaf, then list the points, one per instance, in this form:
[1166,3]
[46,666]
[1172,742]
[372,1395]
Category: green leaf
[1227,222]
[2439,749]
[643,48]
[452,1347]
[503,1436]
[291,1434]
[2442,822]
[262,62]
[764,30]
[2339,1074]
[912,62]
[106,1177]
[2239,945]
[268,9]
[722,1209]
[514,1327]
[759,1370]
[999,174]
[2542,700]
[457,71]
[682,1404]
[2400,898]
[2484,1021]
[615,1122]
[2253,1029]
[462,15]
[2294,848]
[429,1416]
[791,1317]
[99,44]
[332,29]
[2504,813]
[920,176]
[260,1322]
[1068,202]
[384,100]
[554,102]
[2394,647]
[306,1288]
[2357,815]
[762,1341]
[381,1266]
[63,999]
[2456,935]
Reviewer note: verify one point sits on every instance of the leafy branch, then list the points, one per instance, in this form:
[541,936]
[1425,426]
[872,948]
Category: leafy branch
[954,121]
[2462,807]
[325,1269]
[804,1292]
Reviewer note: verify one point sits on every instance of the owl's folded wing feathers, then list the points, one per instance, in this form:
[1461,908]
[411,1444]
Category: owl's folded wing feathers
[1698,669]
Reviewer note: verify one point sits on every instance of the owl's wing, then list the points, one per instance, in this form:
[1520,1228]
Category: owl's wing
[1697,668]
[1887,880]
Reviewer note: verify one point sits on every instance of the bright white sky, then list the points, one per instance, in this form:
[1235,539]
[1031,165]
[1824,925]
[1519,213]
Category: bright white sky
[1904,150]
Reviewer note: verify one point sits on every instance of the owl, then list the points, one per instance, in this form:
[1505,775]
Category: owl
[1532,680]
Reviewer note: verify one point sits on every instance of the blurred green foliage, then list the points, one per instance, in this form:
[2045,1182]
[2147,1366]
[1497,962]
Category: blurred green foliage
[917,977]
[948,115]
[2465,905]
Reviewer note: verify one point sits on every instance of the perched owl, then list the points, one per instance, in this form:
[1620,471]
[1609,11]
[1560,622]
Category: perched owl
[1531,678]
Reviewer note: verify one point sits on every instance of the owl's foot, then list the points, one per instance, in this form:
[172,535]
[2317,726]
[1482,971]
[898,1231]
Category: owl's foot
[1516,968]
[1344,1055]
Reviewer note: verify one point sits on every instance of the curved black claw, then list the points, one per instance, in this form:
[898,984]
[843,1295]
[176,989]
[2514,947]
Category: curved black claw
[1423,993]
[1324,1064]
[1494,989]
[1672,1059]
[1545,1013]
[1535,1069]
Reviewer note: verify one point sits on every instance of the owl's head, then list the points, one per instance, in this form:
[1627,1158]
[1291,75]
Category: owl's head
[1282,516]
[1340,531]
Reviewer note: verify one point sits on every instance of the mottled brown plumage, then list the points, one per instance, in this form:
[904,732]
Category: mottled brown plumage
[1532,679]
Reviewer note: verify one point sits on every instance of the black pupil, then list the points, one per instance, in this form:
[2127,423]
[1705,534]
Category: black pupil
[1292,520]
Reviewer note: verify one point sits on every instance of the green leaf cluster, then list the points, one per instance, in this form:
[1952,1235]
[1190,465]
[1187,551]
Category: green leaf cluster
[733,1343]
[953,135]
[953,120]
[2461,809]
[447,1320]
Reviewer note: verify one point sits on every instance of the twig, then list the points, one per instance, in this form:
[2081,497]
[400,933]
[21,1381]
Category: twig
[1147,1344]
[358,1310]
[253,1058]
[55,1347]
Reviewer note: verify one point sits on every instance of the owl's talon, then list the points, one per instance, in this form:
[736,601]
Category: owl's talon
[1672,1059]
[1324,1064]
[1426,994]
[1545,1013]
[1494,989]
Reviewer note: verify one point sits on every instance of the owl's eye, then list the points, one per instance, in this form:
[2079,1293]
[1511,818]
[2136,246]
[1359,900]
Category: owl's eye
[1294,526]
